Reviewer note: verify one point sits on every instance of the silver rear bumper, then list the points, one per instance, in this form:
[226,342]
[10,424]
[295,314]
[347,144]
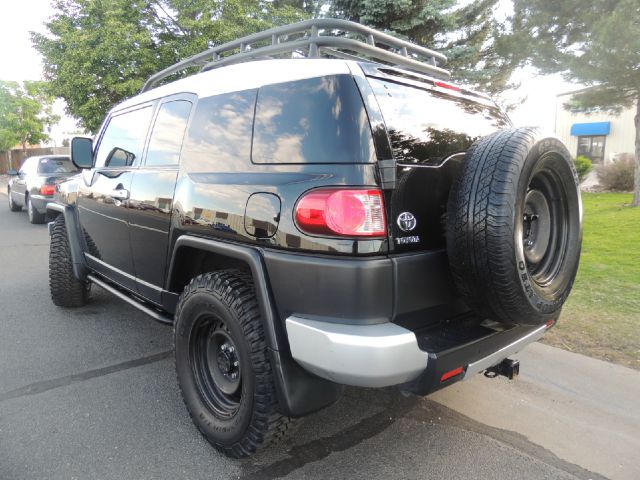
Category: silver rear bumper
[362,355]
[377,355]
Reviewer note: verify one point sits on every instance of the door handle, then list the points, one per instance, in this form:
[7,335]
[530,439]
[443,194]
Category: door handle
[120,194]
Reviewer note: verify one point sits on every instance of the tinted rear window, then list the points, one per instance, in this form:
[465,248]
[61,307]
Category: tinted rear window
[219,137]
[56,165]
[317,120]
[427,127]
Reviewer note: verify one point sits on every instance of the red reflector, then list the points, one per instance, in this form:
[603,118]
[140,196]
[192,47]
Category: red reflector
[348,212]
[453,373]
[450,86]
[551,323]
[47,189]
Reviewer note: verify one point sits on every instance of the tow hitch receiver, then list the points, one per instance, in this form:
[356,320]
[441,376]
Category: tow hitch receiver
[507,368]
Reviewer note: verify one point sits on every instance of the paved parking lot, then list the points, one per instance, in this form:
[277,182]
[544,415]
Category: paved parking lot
[91,393]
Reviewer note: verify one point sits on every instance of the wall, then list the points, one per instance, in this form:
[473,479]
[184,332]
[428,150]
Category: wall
[14,159]
[621,139]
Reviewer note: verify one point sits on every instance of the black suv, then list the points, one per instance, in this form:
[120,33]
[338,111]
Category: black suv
[309,223]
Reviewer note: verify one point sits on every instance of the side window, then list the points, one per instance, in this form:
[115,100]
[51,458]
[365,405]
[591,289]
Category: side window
[168,133]
[317,120]
[219,137]
[123,140]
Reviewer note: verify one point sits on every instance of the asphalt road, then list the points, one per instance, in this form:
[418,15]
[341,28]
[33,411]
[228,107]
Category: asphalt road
[91,393]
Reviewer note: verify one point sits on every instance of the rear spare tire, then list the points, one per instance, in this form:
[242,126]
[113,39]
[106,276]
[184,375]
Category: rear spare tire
[514,227]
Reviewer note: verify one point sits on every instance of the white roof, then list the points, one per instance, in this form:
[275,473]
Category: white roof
[244,76]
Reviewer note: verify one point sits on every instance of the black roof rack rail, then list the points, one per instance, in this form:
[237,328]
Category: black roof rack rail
[317,38]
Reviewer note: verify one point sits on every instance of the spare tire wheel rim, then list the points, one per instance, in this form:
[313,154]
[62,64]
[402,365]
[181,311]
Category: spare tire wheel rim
[545,224]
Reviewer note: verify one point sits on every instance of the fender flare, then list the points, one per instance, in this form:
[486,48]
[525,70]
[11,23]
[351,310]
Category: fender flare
[298,391]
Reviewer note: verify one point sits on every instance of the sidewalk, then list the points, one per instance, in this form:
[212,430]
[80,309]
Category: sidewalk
[585,411]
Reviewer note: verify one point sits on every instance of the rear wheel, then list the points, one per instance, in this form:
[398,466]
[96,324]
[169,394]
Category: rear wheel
[35,217]
[514,227]
[66,290]
[223,366]
[12,205]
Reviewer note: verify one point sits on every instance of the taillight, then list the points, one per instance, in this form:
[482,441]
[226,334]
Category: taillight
[345,212]
[447,85]
[47,189]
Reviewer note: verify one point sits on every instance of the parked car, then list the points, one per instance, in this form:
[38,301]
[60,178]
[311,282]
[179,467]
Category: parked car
[310,223]
[33,186]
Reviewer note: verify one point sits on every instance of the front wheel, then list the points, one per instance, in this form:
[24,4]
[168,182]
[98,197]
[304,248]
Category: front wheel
[66,290]
[223,366]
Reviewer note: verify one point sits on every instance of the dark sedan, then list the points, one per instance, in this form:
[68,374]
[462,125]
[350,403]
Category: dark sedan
[33,186]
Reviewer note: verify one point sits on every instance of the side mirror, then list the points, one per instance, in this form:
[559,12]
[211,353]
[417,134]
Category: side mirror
[12,172]
[82,152]
[119,157]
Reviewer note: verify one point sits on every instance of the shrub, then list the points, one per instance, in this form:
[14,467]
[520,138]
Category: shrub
[583,166]
[617,175]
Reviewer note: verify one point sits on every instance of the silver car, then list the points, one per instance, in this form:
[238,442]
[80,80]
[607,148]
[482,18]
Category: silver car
[33,186]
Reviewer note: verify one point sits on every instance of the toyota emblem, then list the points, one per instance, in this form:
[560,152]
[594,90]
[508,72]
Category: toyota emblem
[407,221]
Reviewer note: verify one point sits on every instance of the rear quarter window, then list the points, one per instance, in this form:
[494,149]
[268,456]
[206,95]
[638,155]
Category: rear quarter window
[426,127]
[219,137]
[316,120]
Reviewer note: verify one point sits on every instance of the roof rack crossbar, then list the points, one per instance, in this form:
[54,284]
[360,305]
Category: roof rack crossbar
[313,39]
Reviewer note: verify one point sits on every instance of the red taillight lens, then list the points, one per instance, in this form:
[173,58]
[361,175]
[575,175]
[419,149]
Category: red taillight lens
[446,85]
[47,189]
[346,212]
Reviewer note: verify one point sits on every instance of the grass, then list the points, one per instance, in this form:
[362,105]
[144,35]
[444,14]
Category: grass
[602,316]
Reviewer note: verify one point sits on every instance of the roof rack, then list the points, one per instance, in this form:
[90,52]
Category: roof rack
[315,38]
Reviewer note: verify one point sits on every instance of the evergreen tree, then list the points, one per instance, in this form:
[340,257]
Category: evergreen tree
[467,34]
[595,42]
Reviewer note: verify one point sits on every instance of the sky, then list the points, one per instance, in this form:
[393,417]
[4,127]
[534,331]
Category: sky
[19,61]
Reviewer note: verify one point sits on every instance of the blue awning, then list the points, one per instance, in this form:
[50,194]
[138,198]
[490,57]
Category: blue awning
[593,128]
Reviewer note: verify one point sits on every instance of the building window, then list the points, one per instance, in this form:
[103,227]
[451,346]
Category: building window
[592,147]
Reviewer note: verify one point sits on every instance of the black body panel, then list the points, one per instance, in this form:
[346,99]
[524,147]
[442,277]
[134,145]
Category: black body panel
[344,290]
[150,207]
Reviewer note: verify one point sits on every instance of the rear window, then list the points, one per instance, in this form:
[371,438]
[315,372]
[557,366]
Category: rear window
[56,165]
[426,127]
[316,120]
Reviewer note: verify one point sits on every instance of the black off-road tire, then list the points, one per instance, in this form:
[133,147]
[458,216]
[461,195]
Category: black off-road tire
[14,207]
[514,227]
[218,309]
[66,290]
[35,217]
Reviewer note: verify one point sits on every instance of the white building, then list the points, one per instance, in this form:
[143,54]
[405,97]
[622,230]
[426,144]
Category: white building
[599,135]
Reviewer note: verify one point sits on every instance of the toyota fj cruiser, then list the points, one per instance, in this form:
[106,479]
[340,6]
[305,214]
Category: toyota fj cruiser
[309,223]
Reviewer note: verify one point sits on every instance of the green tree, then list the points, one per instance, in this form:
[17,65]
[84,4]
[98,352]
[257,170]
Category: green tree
[595,42]
[467,34]
[97,52]
[25,114]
